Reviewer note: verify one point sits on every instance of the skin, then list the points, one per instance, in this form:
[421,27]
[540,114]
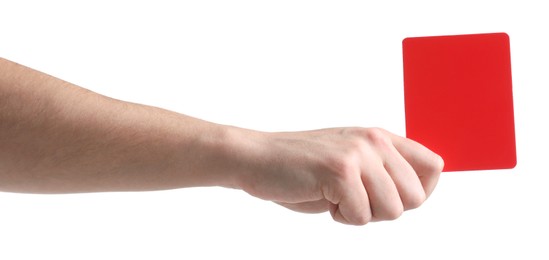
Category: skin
[56,137]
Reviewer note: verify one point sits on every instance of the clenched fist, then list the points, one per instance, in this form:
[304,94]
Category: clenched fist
[358,174]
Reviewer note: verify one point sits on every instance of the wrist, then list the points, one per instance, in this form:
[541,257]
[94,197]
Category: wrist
[238,155]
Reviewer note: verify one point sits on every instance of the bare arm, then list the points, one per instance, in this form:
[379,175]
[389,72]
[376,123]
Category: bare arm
[56,137]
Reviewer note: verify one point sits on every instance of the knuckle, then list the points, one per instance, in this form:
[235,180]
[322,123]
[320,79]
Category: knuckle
[343,166]
[390,212]
[362,219]
[378,137]
[358,219]
[439,164]
[414,200]
[436,165]
[394,212]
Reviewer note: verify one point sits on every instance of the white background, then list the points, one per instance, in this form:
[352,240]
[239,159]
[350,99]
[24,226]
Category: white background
[276,65]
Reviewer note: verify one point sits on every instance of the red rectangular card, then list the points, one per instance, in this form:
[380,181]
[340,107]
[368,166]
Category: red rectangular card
[459,101]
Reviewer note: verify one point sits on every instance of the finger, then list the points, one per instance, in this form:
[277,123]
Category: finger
[407,182]
[427,164]
[351,206]
[385,202]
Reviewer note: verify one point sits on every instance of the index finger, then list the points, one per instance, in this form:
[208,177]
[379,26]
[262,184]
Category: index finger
[427,164]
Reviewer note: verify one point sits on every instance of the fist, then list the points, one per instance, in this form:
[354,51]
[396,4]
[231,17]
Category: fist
[358,174]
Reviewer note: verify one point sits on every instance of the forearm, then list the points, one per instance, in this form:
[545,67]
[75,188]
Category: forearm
[56,137]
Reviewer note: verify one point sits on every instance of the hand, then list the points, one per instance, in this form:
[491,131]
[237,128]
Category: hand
[358,174]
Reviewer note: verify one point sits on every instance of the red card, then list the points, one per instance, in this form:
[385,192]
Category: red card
[459,101]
